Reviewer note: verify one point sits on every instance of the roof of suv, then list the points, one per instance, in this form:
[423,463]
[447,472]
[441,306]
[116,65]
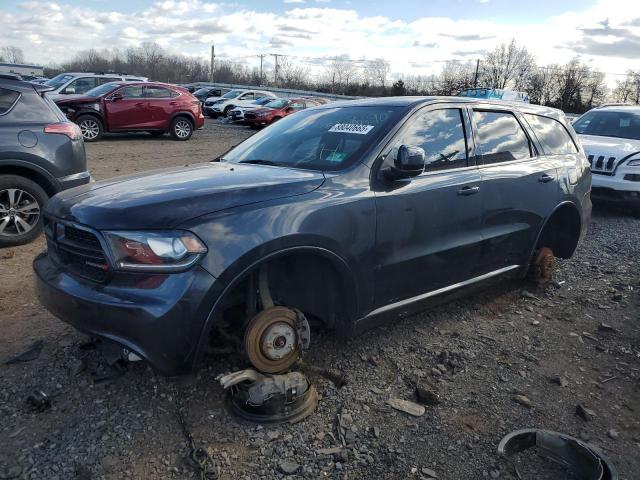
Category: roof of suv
[411,102]
[18,85]
[619,108]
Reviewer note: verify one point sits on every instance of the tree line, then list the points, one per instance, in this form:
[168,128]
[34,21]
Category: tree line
[573,86]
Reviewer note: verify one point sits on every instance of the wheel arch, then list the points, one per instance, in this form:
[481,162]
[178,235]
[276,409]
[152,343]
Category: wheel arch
[237,273]
[554,233]
[34,173]
[182,113]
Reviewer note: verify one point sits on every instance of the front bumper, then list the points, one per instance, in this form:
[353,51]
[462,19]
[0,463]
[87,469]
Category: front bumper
[208,110]
[159,317]
[74,180]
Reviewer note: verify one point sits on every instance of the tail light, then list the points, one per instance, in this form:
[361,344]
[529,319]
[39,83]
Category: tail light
[69,129]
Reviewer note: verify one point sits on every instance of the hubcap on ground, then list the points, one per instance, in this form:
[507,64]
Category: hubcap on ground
[183,128]
[19,212]
[89,129]
[271,341]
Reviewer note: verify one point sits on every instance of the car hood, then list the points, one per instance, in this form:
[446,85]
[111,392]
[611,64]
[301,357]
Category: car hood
[166,198]
[608,147]
[262,110]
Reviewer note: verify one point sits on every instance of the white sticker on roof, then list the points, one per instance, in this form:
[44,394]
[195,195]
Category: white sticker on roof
[351,128]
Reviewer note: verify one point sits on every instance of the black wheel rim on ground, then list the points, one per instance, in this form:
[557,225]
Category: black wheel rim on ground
[19,212]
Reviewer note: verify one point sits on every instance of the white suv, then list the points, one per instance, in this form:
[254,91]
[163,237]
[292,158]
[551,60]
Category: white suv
[611,139]
[214,107]
[68,85]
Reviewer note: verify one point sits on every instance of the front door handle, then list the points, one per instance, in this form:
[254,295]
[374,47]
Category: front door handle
[466,191]
[545,178]
[139,104]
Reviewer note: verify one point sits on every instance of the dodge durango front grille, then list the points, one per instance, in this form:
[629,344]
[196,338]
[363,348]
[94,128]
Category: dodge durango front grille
[77,249]
[602,165]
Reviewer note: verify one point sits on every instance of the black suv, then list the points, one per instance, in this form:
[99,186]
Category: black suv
[41,153]
[340,214]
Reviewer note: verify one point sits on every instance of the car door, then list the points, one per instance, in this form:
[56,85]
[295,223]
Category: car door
[127,112]
[520,186]
[160,104]
[428,233]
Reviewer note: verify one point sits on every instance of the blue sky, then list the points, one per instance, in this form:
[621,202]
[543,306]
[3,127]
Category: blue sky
[415,36]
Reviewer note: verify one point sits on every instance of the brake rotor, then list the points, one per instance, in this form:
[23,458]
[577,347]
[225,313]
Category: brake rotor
[271,339]
[545,262]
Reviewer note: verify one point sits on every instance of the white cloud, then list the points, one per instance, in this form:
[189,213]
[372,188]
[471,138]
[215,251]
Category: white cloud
[49,32]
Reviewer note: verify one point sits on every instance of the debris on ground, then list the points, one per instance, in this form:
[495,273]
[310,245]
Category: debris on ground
[523,400]
[264,398]
[28,355]
[584,413]
[427,395]
[39,401]
[579,458]
[406,406]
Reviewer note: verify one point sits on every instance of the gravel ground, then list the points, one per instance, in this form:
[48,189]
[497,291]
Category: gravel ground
[577,342]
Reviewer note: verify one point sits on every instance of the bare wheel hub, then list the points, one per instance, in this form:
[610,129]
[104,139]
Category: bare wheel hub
[271,340]
[545,262]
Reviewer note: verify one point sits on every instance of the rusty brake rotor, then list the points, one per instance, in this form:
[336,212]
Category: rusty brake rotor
[274,337]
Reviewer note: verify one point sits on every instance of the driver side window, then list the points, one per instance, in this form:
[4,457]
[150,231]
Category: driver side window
[441,134]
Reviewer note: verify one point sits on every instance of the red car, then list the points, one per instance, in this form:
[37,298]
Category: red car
[274,111]
[151,107]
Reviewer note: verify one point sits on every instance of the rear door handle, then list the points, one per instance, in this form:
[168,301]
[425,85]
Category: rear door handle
[173,103]
[545,178]
[466,191]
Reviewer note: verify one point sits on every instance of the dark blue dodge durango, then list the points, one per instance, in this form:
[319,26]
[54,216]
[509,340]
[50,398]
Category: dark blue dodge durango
[343,215]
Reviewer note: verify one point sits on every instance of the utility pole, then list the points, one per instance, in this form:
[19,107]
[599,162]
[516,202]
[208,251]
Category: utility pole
[262,55]
[213,59]
[276,56]
[475,78]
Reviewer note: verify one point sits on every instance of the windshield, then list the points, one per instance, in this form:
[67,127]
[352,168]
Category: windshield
[232,94]
[609,124]
[277,103]
[58,80]
[101,90]
[328,139]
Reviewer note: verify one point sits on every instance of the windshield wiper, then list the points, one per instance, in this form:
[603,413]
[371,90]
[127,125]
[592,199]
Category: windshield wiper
[260,162]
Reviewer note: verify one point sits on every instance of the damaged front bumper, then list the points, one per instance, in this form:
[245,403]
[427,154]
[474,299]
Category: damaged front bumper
[158,317]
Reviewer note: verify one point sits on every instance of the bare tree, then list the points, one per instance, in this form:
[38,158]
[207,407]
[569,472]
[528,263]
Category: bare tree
[340,73]
[11,54]
[571,82]
[595,90]
[508,64]
[376,72]
[542,84]
[455,76]
[292,75]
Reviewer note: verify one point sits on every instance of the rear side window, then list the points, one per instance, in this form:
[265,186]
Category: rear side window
[552,135]
[501,137]
[7,100]
[157,92]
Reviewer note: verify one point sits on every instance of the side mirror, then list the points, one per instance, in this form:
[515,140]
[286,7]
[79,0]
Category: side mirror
[70,90]
[409,162]
[116,96]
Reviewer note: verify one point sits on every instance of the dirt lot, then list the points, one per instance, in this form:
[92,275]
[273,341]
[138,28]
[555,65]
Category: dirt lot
[577,342]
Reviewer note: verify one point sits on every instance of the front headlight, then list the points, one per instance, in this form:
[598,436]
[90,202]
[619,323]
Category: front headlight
[634,163]
[158,251]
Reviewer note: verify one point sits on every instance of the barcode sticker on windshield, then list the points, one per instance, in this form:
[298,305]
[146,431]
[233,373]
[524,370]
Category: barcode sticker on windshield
[351,128]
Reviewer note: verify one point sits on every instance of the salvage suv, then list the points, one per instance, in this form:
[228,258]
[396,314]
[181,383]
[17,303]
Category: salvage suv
[151,107]
[610,136]
[343,214]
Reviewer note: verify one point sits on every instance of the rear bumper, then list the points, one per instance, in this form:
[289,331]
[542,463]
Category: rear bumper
[159,317]
[74,180]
